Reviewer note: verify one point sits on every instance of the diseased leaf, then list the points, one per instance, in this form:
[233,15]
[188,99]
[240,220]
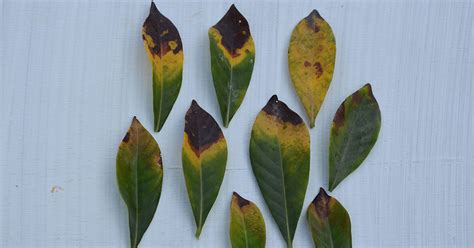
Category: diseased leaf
[165,51]
[329,222]
[139,176]
[311,59]
[354,130]
[247,227]
[279,153]
[204,161]
[232,59]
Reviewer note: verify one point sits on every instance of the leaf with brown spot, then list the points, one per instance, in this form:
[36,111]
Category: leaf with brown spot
[329,222]
[165,51]
[139,177]
[247,227]
[204,157]
[354,131]
[311,60]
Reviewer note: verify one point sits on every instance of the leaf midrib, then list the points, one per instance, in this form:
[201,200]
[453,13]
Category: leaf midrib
[135,242]
[245,230]
[284,194]
[284,189]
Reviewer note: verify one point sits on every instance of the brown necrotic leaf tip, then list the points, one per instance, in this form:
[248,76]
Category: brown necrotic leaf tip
[161,29]
[234,29]
[280,110]
[197,120]
[240,200]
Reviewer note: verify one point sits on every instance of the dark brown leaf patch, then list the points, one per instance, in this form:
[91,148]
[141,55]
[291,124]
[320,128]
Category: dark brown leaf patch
[321,203]
[339,116]
[241,201]
[126,138]
[162,31]
[309,19]
[202,129]
[318,69]
[234,30]
[280,110]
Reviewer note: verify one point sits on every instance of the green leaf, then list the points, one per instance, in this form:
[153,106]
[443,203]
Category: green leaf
[329,222]
[247,227]
[165,51]
[354,130]
[311,59]
[279,153]
[232,59]
[139,176]
[204,161]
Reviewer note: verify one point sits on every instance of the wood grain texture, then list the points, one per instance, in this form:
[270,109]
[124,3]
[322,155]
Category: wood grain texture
[73,71]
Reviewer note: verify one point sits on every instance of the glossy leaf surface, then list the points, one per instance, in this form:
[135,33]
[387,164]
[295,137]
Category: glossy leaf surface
[165,51]
[354,131]
[232,59]
[279,154]
[329,222]
[311,59]
[247,227]
[204,158]
[139,176]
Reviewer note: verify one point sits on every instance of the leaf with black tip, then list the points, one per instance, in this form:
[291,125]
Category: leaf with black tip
[232,59]
[329,222]
[354,131]
[139,176]
[311,60]
[247,227]
[204,161]
[165,51]
[279,154]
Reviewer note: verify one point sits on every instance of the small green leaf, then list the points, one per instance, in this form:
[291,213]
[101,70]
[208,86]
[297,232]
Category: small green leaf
[311,59]
[232,59]
[165,51]
[247,227]
[279,154]
[139,176]
[354,131]
[204,161]
[329,222]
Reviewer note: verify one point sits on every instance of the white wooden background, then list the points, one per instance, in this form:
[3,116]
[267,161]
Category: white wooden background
[75,72]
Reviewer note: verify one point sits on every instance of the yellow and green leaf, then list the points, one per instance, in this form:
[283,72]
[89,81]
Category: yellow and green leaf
[165,51]
[232,59]
[311,59]
[204,158]
[329,222]
[279,154]
[354,131]
[139,176]
[247,227]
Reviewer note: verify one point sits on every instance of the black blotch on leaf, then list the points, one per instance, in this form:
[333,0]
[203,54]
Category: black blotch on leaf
[310,20]
[201,127]
[234,30]
[240,200]
[282,111]
[162,31]
[126,138]
[321,203]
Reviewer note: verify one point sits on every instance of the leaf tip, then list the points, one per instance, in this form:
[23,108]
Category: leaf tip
[314,13]
[368,88]
[153,8]
[241,202]
[233,10]
[281,111]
